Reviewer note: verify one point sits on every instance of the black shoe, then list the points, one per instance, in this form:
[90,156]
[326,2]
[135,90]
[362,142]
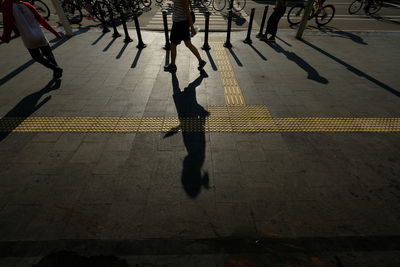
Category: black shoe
[271,39]
[263,37]
[170,68]
[57,73]
[202,63]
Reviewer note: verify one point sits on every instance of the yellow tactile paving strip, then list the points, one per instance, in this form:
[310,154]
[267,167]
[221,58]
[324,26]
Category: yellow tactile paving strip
[207,124]
[235,116]
[233,94]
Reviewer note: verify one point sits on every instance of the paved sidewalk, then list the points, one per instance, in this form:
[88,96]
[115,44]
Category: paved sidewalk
[282,155]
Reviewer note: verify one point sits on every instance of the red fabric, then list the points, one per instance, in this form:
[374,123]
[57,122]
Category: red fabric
[9,22]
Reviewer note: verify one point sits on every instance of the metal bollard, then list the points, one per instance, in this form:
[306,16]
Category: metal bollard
[262,22]
[228,36]
[167,43]
[116,34]
[206,46]
[140,45]
[103,21]
[248,39]
[127,39]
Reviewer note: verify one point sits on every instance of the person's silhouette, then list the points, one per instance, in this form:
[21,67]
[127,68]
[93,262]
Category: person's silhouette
[192,117]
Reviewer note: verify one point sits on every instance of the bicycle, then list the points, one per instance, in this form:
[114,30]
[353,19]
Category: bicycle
[323,14]
[41,7]
[370,6]
[73,9]
[237,6]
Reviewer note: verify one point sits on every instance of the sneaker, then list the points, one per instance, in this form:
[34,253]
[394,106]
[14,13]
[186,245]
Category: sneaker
[57,73]
[271,39]
[170,68]
[263,37]
[202,63]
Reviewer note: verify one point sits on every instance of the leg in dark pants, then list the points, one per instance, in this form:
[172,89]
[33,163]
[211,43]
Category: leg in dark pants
[272,25]
[37,56]
[46,51]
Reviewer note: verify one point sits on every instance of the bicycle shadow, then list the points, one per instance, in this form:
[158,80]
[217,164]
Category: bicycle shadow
[312,73]
[25,108]
[192,118]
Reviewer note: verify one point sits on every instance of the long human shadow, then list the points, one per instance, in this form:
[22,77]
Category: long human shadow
[25,108]
[354,69]
[26,65]
[192,118]
[312,73]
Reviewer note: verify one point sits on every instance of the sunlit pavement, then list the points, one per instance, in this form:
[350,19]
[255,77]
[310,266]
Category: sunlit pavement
[278,155]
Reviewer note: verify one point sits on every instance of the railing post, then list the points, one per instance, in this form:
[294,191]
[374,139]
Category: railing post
[140,45]
[167,45]
[304,20]
[262,22]
[206,46]
[228,35]
[103,21]
[127,39]
[248,39]
[116,34]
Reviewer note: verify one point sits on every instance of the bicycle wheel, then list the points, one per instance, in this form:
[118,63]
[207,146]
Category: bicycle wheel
[325,15]
[100,6]
[375,6]
[295,14]
[239,5]
[146,3]
[355,6]
[219,5]
[205,3]
[42,8]
[72,12]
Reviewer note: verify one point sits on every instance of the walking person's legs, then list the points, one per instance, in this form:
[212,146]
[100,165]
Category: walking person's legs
[272,26]
[195,52]
[37,56]
[279,15]
[47,53]
[180,32]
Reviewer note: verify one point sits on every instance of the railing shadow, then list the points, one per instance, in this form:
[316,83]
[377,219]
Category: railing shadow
[258,52]
[384,19]
[25,108]
[99,38]
[235,57]
[136,59]
[212,62]
[109,44]
[122,50]
[334,32]
[192,117]
[312,73]
[354,69]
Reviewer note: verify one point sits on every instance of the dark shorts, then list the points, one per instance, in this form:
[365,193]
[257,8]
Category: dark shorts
[180,32]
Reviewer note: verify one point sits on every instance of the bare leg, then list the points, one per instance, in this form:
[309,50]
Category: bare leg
[192,48]
[173,53]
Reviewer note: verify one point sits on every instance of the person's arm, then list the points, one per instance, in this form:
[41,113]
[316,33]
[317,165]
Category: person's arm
[39,18]
[8,20]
